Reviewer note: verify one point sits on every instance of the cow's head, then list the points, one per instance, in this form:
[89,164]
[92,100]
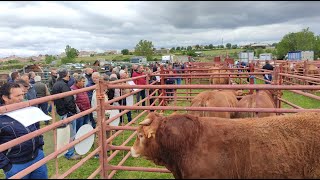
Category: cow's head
[145,144]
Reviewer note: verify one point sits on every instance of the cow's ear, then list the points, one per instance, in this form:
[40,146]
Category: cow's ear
[146,122]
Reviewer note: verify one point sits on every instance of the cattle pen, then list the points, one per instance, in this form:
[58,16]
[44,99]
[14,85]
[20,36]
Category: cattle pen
[196,78]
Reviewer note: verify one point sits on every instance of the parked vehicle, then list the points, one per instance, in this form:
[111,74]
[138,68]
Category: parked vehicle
[138,60]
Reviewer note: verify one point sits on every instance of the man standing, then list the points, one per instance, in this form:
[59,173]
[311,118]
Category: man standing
[89,82]
[123,102]
[52,80]
[31,94]
[41,91]
[25,154]
[66,107]
[82,101]
[31,77]
[268,77]
[140,81]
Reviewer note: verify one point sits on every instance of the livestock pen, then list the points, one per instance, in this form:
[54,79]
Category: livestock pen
[107,167]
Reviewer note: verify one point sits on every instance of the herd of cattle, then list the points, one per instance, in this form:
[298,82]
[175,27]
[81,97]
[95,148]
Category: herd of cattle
[208,144]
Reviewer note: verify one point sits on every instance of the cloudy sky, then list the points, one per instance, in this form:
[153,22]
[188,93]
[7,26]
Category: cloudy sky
[33,28]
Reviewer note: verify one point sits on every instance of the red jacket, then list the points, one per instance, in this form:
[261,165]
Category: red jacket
[82,99]
[139,81]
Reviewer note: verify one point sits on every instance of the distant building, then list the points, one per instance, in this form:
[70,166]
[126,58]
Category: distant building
[257,45]
[62,55]
[14,57]
[86,53]
[162,51]
[112,52]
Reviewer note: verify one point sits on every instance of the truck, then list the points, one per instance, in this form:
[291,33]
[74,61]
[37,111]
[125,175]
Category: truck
[167,59]
[246,56]
[176,59]
[300,55]
[138,60]
[265,56]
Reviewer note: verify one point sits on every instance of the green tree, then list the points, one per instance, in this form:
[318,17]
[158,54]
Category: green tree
[66,60]
[71,53]
[234,46]
[191,53]
[228,45]
[258,52]
[304,40]
[144,48]
[124,51]
[197,46]
[172,50]
[49,58]
[189,48]
[178,48]
[210,46]
[317,48]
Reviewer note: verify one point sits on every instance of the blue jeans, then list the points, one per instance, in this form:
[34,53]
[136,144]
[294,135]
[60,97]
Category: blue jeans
[124,103]
[44,108]
[82,121]
[40,173]
[91,119]
[73,132]
[178,81]
[49,108]
[142,95]
[269,78]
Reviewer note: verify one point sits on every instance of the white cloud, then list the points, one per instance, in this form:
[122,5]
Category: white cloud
[32,28]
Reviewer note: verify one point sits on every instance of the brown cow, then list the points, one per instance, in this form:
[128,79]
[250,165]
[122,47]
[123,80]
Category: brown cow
[286,146]
[215,98]
[259,99]
[217,70]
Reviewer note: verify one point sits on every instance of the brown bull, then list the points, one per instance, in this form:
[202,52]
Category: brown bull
[285,146]
[259,99]
[216,98]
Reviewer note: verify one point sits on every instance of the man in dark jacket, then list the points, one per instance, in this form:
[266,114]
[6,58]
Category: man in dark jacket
[25,154]
[89,82]
[66,106]
[42,91]
[51,81]
[268,77]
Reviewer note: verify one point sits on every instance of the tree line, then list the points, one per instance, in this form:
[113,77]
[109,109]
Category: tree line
[304,40]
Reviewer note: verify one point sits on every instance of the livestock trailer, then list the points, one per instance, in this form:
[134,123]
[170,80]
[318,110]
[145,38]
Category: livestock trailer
[300,55]
[246,56]
[265,56]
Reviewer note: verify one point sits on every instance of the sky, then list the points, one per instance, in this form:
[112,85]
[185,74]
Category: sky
[30,28]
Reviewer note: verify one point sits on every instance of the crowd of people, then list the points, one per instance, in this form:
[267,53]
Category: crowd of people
[28,86]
